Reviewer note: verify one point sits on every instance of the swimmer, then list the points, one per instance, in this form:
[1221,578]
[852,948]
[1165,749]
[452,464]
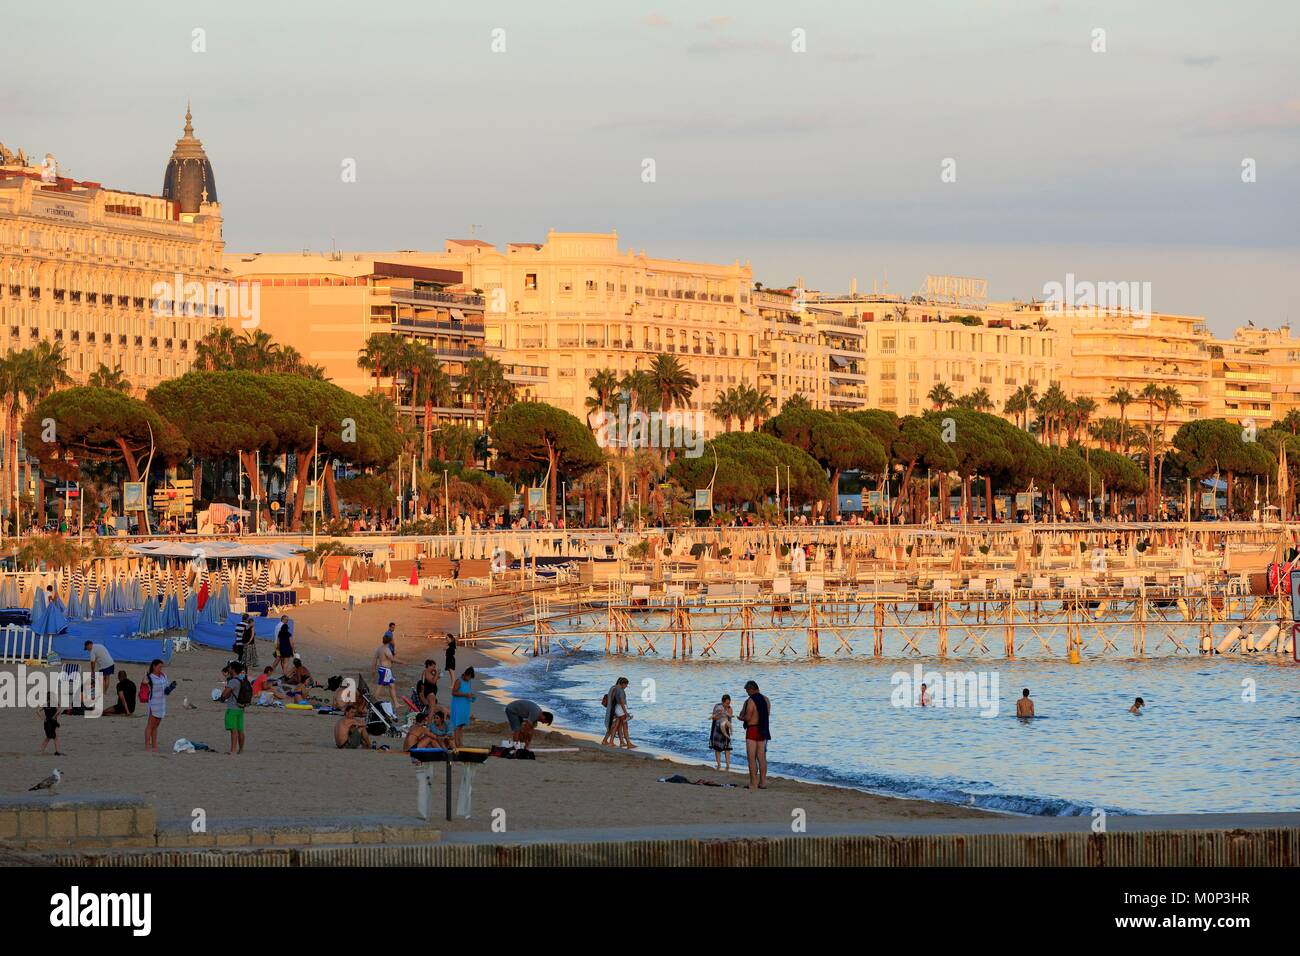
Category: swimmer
[1138,704]
[1025,705]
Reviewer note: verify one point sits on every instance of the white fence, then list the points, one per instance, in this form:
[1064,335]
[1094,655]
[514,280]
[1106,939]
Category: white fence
[18,644]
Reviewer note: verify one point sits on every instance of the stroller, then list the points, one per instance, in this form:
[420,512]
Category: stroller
[380,719]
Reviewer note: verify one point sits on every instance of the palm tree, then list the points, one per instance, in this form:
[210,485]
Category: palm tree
[604,386]
[941,396]
[725,407]
[1123,398]
[639,391]
[112,378]
[431,386]
[1292,420]
[1081,411]
[1170,398]
[382,355]
[752,403]
[1152,394]
[216,352]
[979,400]
[485,379]
[672,381]
[1020,404]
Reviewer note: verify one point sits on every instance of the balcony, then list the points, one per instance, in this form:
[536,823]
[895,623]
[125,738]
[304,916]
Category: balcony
[456,299]
[474,329]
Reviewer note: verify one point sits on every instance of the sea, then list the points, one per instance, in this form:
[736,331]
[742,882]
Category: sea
[1217,734]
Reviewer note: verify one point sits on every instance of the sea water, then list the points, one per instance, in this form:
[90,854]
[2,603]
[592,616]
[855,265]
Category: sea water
[1217,734]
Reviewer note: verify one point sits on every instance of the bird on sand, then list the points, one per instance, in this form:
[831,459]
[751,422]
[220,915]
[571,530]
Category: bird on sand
[50,782]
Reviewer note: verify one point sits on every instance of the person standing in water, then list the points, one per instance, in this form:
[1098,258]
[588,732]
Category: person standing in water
[720,732]
[1025,705]
[754,715]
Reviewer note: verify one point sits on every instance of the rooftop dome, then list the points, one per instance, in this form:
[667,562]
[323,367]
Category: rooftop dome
[188,180]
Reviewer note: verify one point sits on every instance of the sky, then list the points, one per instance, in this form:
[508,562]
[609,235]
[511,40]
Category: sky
[1114,155]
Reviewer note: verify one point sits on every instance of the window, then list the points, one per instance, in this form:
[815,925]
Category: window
[530,281]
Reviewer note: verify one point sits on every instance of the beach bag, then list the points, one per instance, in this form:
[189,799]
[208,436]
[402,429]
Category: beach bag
[244,696]
[144,690]
[604,700]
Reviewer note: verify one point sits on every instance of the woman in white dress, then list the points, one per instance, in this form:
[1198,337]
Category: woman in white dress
[156,681]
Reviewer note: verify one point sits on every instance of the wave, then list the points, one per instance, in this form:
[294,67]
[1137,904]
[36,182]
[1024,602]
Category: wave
[546,677]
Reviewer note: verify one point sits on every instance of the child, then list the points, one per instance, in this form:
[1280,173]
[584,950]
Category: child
[50,718]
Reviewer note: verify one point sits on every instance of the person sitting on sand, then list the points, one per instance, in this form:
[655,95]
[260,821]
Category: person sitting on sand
[267,685]
[524,716]
[298,681]
[126,697]
[419,735]
[1025,705]
[350,731]
[441,730]
[1138,704]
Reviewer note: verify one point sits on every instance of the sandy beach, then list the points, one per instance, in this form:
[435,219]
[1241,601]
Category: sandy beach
[292,771]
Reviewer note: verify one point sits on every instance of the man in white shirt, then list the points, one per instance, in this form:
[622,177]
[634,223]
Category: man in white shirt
[101,660]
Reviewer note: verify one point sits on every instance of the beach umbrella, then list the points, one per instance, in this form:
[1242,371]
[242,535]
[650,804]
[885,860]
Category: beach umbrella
[171,616]
[190,613]
[98,610]
[149,618]
[74,605]
[38,604]
[51,620]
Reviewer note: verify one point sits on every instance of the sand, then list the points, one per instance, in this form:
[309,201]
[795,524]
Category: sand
[291,770]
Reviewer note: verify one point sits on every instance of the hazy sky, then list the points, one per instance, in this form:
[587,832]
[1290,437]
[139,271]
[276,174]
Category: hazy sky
[1120,165]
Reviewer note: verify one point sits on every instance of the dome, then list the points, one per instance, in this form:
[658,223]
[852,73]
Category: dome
[188,180]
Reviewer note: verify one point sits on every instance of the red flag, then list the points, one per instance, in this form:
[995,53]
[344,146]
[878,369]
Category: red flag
[343,581]
[203,595]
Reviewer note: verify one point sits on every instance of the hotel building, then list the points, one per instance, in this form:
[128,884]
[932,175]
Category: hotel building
[576,304]
[80,265]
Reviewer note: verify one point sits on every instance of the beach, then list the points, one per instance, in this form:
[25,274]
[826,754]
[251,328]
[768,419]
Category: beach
[291,770]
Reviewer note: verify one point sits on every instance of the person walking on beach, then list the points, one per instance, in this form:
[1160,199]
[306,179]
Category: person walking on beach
[449,657]
[720,732]
[385,658]
[49,716]
[462,702]
[616,716]
[1138,704]
[101,660]
[754,715]
[156,687]
[284,644]
[234,707]
[1025,705]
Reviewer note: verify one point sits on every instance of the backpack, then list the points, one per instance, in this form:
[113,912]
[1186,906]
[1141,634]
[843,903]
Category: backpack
[244,696]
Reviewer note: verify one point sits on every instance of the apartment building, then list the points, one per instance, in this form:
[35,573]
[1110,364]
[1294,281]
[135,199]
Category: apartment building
[576,304]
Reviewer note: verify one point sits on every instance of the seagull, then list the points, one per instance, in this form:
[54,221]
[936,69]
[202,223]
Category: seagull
[50,782]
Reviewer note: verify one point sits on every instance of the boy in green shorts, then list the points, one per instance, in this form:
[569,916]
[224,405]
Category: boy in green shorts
[234,709]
